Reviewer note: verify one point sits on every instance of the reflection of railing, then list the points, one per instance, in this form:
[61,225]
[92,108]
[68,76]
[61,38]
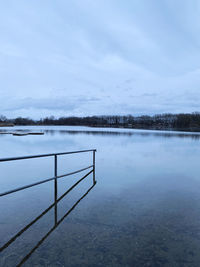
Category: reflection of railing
[56,199]
[57,222]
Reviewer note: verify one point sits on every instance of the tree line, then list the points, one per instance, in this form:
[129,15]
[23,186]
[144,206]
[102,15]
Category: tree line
[182,121]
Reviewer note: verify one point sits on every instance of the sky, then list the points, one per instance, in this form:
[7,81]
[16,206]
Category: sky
[99,57]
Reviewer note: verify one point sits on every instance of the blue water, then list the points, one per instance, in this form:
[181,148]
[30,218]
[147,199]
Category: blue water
[143,211]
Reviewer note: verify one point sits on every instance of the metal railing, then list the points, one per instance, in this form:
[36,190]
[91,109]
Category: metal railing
[56,199]
[56,176]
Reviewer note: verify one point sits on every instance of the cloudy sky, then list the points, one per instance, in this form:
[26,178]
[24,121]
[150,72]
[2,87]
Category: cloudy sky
[92,57]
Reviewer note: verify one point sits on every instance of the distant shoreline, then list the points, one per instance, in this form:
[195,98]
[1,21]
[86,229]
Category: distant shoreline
[192,129]
[189,122]
[7,125]
[136,127]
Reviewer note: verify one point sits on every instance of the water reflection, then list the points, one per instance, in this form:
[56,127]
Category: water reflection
[109,132]
[134,133]
[57,221]
[144,212]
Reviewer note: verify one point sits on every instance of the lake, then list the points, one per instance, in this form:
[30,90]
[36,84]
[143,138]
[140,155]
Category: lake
[144,209]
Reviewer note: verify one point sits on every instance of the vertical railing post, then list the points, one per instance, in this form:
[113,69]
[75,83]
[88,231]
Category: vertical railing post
[94,166]
[55,187]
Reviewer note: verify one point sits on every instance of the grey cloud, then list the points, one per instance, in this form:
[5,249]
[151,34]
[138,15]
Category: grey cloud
[59,103]
[105,54]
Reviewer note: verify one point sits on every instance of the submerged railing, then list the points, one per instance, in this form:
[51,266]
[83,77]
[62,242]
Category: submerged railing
[56,199]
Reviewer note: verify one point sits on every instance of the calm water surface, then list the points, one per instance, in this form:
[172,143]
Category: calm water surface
[143,211]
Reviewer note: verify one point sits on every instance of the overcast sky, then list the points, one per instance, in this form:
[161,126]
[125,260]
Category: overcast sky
[92,57]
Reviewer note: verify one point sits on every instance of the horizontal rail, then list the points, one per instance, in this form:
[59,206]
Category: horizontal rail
[44,181]
[45,155]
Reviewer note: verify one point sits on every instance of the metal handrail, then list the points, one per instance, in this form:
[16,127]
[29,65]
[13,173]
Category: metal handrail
[45,155]
[55,177]
[56,198]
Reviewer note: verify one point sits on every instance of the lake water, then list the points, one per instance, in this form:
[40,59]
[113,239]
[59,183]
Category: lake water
[143,211]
